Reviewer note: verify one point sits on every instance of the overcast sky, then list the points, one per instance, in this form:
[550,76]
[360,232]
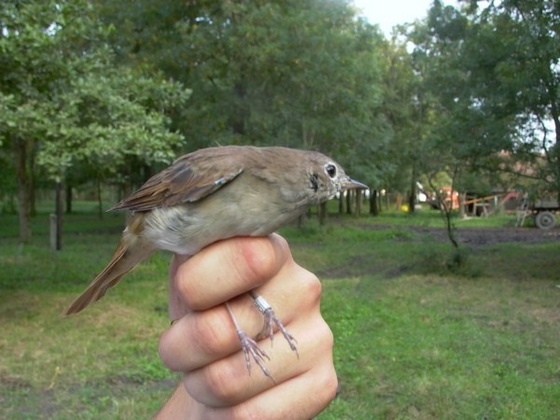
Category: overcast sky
[388,13]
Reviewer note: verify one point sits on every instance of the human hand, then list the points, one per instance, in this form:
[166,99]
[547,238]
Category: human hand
[203,343]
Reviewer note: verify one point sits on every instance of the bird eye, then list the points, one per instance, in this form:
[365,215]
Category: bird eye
[330,169]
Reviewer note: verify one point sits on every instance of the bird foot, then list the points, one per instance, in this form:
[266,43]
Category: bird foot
[251,350]
[271,321]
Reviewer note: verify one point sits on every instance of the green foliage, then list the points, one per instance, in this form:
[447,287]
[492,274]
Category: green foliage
[493,76]
[65,105]
[95,90]
[294,73]
[107,119]
[78,108]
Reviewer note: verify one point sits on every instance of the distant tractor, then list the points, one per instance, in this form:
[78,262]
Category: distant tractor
[544,212]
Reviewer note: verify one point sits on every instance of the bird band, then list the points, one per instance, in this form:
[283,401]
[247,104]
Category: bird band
[262,304]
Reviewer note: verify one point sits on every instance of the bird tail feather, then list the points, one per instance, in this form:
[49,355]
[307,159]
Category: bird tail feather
[124,259]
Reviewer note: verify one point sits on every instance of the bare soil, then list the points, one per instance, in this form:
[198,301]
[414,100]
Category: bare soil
[470,237]
[476,237]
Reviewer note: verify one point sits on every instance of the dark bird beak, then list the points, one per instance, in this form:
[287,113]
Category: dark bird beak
[350,184]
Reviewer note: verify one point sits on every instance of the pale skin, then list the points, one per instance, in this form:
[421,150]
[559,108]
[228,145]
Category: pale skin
[203,344]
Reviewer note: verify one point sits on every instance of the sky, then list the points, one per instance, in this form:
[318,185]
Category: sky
[388,13]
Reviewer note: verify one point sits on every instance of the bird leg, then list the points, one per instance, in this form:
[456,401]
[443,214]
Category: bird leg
[271,320]
[250,347]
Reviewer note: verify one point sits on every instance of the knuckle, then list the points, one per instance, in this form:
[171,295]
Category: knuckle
[312,287]
[164,351]
[220,384]
[325,335]
[260,258]
[208,332]
[282,243]
[187,293]
[320,335]
[329,385]
[186,288]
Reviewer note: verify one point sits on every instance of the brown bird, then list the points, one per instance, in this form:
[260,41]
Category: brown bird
[218,193]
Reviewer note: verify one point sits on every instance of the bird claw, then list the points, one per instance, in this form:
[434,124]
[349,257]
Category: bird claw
[270,321]
[250,347]
[251,350]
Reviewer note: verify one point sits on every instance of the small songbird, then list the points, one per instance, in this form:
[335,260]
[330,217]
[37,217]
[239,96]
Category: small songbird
[218,193]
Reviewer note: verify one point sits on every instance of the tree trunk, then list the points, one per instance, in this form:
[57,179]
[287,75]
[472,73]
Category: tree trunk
[358,206]
[322,213]
[24,188]
[412,195]
[373,203]
[68,197]
[99,200]
[349,202]
[411,201]
[462,209]
[398,202]
[31,171]
[59,200]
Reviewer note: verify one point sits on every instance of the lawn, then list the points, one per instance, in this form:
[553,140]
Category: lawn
[416,337]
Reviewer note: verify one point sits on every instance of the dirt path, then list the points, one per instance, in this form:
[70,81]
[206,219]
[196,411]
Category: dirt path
[470,237]
[489,236]
[480,236]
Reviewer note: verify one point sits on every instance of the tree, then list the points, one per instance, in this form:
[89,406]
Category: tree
[504,90]
[295,73]
[63,102]
[526,75]
[403,109]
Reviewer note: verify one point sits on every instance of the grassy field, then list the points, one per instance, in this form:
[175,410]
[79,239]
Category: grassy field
[414,339]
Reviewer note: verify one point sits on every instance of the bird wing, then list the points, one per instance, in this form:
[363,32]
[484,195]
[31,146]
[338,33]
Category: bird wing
[178,184]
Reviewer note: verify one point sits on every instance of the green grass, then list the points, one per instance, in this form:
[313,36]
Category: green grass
[436,347]
[413,339]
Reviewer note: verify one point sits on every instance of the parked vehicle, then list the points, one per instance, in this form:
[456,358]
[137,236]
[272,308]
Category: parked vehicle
[542,211]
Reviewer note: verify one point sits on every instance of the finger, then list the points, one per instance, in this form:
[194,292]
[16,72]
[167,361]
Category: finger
[307,395]
[177,306]
[292,291]
[227,381]
[200,338]
[228,268]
